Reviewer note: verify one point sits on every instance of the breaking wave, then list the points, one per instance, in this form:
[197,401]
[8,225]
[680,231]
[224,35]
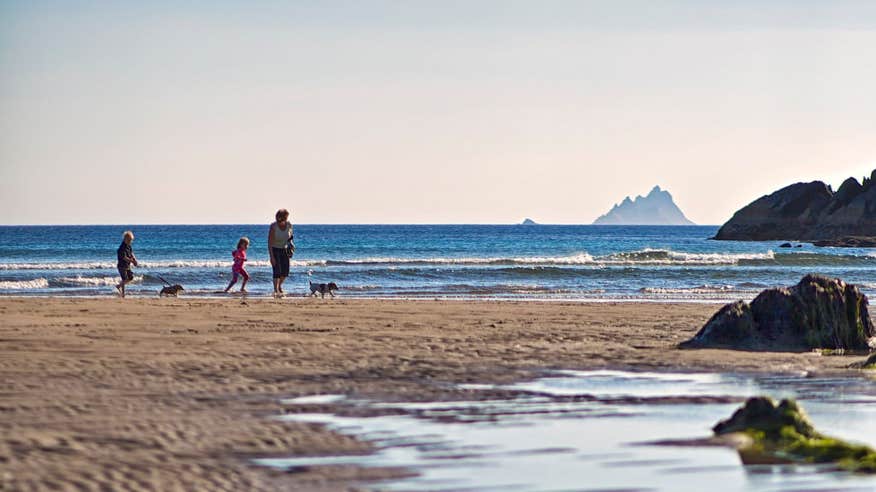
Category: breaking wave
[576,259]
[106,265]
[37,283]
[668,257]
[645,257]
[80,281]
[702,289]
[63,282]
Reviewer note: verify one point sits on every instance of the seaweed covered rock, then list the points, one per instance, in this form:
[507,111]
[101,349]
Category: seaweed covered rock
[783,434]
[761,414]
[818,312]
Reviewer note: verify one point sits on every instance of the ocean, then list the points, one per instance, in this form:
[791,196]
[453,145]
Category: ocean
[538,262]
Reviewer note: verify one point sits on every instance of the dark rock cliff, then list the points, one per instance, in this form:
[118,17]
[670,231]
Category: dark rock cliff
[807,212]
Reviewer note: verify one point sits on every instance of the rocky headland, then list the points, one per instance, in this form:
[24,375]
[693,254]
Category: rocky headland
[810,212]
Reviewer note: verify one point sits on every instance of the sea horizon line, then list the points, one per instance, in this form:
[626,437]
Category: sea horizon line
[131,224]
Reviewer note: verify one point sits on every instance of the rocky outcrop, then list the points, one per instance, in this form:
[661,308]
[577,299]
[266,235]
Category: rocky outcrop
[807,212]
[657,208]
[528,222]
[818,312]
[784,434]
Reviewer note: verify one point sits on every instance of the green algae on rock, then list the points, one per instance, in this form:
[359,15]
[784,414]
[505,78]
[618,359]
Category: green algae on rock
[783,434]
[817,313]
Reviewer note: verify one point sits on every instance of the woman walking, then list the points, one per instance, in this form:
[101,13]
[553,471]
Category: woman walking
[279,237]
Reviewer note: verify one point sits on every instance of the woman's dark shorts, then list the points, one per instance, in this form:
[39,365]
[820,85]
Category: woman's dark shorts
[126,274]
[281,262]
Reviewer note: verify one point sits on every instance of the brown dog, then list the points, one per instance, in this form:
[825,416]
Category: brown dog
[170,290]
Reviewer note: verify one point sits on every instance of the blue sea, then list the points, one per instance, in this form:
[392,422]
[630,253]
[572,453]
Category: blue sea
[540,262]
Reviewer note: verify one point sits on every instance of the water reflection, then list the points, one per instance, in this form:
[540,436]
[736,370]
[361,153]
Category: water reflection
[584,431]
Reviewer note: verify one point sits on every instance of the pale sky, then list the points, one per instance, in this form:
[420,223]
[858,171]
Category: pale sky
[425,112]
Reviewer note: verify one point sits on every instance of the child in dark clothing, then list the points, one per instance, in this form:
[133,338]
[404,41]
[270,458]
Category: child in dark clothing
[126,258]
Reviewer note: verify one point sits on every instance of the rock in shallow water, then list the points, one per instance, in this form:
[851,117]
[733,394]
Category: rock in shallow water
[783,434]
[818,312]
[763,415]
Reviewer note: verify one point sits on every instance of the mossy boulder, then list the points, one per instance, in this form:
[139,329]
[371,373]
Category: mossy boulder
[763,415]
[817,313]
[784,434]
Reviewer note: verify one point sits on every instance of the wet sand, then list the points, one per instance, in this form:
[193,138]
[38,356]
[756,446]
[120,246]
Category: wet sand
[176,394]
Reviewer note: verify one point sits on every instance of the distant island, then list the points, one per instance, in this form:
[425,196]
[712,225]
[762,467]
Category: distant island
[810,212]
[657,208]
[528,222]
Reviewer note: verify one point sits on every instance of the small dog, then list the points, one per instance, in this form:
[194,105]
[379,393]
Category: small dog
[170,290]
[323,289]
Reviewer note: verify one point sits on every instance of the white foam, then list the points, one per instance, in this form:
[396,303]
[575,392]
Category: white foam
[640,257]
[105,265]
[702,289]
[37,283]
[221,264]
[668,257]
[576,259]
[88,265]
[95,281]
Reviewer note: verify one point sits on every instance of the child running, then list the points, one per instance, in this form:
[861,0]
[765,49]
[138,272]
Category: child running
[126,258]
[239,256]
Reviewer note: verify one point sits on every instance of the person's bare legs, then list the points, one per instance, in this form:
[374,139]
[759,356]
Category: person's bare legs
[121,288]
[233,281]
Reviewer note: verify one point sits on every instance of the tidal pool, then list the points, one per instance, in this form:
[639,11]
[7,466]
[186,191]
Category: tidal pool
[595,431]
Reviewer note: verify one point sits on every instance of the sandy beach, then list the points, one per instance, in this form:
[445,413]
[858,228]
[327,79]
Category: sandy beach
[176,394]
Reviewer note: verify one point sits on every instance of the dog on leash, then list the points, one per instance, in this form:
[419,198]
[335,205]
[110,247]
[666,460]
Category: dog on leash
[323,289]
[170,290]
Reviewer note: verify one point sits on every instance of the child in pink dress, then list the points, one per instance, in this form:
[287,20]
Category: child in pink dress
[237,269]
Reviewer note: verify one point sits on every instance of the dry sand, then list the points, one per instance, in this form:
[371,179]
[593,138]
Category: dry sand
[176,394]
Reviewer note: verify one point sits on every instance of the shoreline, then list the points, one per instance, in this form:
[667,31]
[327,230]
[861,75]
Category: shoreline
[437,298]
[178,393]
